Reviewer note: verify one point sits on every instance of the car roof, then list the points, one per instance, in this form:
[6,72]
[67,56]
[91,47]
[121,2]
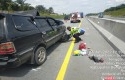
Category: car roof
[33,13]
[43,17]
[14,14]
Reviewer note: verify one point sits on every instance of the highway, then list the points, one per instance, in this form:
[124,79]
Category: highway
[115,18]
[78,67]
[112,18]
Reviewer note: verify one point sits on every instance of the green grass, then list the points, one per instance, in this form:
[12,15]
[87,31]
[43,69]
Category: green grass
[117,13]
[56,16]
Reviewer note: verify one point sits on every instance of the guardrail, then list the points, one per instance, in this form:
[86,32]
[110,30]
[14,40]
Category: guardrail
[116,27]
[113,30]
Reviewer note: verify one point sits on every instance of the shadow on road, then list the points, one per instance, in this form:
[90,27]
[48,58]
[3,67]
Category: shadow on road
[16,72]
[25,68]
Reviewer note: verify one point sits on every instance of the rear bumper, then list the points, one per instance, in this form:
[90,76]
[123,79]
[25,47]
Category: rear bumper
[75,21]
[15,60]
[11,63]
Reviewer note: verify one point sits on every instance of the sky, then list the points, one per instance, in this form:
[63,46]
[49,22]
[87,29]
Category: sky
[69,6]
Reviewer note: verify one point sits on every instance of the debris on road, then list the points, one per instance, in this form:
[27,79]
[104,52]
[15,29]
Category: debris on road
[83,50]
[82,45]
[96,59]
[109,78]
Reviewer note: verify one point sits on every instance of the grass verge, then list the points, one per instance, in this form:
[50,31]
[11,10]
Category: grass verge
[117,13]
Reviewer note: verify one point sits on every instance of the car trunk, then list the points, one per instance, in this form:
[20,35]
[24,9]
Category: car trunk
[3,58]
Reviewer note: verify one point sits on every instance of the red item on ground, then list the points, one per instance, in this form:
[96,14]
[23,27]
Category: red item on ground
[82,46]
[109,78]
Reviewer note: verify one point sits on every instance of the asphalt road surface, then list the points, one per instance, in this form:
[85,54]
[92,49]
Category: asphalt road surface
[78,67]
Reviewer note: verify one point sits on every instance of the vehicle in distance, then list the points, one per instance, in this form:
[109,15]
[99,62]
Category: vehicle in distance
[66,17]
[25,38]
[100,15]
[74,18]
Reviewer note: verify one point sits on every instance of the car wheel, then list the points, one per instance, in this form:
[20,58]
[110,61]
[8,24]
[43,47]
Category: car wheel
[79,21]
[40,56]
[65,37]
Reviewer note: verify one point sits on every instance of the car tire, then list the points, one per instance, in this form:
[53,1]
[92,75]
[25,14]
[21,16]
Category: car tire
[40,56]
[79,21]
[64,38]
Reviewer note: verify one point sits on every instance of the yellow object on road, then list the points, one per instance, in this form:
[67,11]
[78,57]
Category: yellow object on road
[76,52]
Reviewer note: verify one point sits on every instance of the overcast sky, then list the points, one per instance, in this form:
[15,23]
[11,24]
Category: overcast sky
[68,6]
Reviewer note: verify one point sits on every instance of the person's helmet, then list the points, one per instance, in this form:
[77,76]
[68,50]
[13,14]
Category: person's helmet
[82,46]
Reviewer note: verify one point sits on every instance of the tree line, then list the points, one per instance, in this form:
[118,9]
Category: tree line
[109,9]
[21,5]
[115,8]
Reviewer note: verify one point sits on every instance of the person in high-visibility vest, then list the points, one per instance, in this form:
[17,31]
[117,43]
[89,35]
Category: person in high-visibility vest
[76,32]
